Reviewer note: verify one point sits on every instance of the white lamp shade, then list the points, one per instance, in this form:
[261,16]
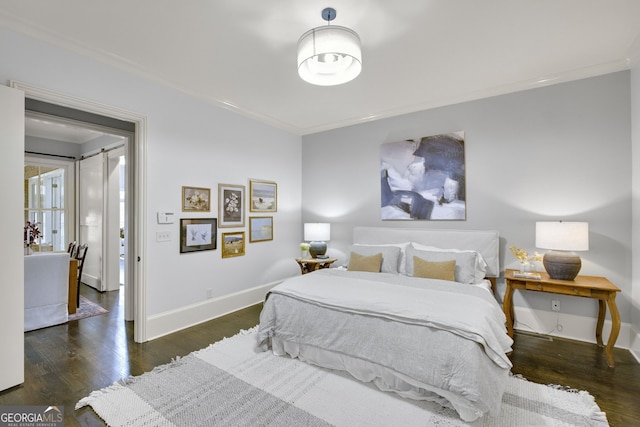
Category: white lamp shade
[562,236]
[317,231]
[329,55]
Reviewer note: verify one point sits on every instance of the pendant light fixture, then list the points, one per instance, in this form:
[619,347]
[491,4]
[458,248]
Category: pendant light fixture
[329,55]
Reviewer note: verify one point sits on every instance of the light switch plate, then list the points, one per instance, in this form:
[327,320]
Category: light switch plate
[165,217]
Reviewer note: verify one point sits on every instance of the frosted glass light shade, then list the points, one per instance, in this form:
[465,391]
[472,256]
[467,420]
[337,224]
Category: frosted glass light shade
[329,55]
[562,236]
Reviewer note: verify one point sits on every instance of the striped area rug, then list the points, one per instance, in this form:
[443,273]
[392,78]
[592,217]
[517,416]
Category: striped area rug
[230,383]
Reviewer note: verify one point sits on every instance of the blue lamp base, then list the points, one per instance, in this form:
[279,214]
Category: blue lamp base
[317,249]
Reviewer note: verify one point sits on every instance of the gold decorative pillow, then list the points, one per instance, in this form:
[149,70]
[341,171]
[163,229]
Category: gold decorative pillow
[444,270]
[359,262]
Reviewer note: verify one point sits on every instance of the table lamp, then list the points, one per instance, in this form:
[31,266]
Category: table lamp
[317,233]
[562,238]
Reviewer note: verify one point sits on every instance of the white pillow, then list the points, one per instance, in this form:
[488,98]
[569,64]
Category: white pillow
[465,262]
[402,265]
[480,265]
[390,255]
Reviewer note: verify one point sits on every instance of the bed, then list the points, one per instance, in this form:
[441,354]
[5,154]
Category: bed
[441,339]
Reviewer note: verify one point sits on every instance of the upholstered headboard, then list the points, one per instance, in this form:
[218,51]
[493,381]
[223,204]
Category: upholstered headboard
[484,241]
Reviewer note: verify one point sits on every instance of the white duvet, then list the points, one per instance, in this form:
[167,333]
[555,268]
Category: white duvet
[424,339]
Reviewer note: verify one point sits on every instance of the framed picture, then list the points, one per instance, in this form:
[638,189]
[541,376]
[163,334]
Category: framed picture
[231,205]
[195,199]
[263,196]
[424,179]
[232,244]
[260,228]
[198,234]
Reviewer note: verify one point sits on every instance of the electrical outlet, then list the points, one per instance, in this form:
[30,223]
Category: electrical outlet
[163,236]
[555,305]
[209,293]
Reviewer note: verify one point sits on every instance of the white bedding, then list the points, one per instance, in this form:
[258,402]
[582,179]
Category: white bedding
[423,338]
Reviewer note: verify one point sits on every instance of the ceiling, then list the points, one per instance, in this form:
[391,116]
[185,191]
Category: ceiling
[417,54]
[41,126]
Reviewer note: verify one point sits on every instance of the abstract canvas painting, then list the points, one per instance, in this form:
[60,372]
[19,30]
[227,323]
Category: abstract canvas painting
[424,178]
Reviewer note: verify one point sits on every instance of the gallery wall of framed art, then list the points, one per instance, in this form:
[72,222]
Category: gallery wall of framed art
[201,234]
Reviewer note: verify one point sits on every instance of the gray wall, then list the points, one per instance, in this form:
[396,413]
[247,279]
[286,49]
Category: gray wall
[556,152]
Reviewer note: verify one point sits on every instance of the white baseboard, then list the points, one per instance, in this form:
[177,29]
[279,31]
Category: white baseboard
[171,321]
[92,281]
[573,327]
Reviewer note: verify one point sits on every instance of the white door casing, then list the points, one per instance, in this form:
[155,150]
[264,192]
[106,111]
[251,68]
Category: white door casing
[136,187]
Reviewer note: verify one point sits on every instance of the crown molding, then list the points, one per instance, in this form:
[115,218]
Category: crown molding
[634,53]
[19,25]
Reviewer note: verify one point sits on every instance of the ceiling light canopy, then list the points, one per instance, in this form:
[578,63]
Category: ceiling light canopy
[329,55]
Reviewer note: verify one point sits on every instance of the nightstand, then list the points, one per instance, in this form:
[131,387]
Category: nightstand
[313,264]
[582,286]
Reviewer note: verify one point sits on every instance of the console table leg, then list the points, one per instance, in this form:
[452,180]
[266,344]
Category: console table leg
[615,328]
[602,311]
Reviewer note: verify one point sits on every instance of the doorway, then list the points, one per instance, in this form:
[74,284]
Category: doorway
[96,198]
[135,159]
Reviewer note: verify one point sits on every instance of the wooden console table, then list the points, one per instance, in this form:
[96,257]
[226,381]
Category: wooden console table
[313,264]
[583,286]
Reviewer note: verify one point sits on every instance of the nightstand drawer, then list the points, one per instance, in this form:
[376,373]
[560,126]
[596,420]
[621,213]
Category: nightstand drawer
[559,289]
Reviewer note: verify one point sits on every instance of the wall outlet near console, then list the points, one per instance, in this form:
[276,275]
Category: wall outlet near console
[555,305]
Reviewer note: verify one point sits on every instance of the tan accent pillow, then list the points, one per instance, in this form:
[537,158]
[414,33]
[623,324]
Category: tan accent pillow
[444,270]
[370,263]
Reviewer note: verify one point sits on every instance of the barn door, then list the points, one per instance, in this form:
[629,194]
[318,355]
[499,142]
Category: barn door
[91,205]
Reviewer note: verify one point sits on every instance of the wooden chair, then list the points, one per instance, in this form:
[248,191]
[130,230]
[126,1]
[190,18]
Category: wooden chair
[80,254]
[71,248]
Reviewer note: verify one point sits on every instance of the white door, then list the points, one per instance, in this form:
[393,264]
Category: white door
[114,221]
[11,228]
[101,218]
[91,202]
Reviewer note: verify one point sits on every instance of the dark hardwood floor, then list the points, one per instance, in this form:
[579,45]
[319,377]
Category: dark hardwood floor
[582,366]
[65,363]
